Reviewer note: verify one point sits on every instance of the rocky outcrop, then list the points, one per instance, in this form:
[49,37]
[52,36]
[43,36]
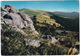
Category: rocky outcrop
[12,17]
[52,40]
[32,42]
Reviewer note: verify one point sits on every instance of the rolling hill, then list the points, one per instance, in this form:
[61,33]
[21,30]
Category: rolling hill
[69,21]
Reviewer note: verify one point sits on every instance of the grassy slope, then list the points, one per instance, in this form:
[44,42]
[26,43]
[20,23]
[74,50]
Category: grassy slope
[41,16]
[50,18]
[68,23]
[13,43]
[31,13]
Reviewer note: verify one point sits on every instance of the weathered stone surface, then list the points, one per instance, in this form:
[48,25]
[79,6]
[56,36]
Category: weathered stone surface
[19,30]
[10,9]
[52,39]
[32,42]
[13,17]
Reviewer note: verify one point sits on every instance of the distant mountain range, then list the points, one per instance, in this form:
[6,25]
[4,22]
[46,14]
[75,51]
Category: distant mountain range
[67,14]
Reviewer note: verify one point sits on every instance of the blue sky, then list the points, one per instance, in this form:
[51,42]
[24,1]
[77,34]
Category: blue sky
[64,6]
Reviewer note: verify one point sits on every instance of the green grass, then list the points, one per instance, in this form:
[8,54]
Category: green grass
[31,13]
[13,44]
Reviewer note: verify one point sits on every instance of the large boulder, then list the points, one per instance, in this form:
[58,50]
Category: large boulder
[13,17]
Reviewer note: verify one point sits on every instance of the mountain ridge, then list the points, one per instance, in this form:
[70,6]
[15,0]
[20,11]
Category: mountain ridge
[67,14]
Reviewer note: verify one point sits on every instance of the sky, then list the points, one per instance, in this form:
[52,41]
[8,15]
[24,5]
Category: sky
[40,0]
[63,6]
